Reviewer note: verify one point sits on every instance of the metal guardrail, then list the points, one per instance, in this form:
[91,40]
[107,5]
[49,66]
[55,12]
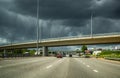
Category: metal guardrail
[82,36]
[107,34]
[61,38]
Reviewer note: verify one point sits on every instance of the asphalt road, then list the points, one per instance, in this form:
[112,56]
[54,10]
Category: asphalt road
[51,67]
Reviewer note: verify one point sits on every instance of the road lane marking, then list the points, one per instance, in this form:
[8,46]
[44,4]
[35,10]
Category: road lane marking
[88,66]
[49,66]
[59,61]
[79,60]
[95,71]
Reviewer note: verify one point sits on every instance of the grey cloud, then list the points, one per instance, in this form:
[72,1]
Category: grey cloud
[59,18]
[75,22]
[55,9]
[51,29]
[111,9]
[103,25]
[12,26]
[69,9]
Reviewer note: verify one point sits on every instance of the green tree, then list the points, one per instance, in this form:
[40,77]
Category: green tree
[32,52]
[24,50]
[77,51]
[83,48]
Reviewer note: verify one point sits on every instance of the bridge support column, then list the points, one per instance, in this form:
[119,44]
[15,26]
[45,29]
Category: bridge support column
[4,55]
[45,51]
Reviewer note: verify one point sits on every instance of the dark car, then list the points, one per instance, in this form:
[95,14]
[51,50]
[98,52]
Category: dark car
[59,56]
[70,55]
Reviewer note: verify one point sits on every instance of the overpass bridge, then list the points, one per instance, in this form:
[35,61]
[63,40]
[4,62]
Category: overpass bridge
[67,41]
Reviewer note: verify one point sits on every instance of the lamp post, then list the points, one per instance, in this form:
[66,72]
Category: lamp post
[91,24]
[37,24]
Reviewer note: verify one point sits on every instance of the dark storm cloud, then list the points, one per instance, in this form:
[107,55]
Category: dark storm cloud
[75,22]
[55,9]
[103,25]
[70,9]
[109,9]
[58,18]
[73,13]
[13,26]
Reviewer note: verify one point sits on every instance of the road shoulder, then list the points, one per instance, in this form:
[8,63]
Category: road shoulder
[111,61]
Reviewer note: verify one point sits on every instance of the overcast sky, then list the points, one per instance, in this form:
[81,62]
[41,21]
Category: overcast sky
[57,18]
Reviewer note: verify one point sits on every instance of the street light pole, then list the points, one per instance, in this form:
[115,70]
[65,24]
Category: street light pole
[37,24]
[11,48]
[91,24]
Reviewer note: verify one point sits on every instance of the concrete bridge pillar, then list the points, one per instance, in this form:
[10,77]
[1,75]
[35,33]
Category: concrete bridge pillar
[45,51]
[4,55]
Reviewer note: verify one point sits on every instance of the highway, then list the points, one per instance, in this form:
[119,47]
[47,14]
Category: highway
[52,67]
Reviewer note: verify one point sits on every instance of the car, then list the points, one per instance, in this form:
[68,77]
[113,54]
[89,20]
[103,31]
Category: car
[59,56]
[85,56]
[70,55]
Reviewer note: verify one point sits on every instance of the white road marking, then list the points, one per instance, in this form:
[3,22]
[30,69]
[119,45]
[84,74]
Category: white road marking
[49,66]
[88,66]
[79,60]
[60,60]
[95,71]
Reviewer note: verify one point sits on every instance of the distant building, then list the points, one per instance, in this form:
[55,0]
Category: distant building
[96,52]
[87,52]
[38,53]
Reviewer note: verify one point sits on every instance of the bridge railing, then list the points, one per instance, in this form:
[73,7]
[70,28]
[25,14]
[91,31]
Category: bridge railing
[81,36]
[106,34]
[69,37]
